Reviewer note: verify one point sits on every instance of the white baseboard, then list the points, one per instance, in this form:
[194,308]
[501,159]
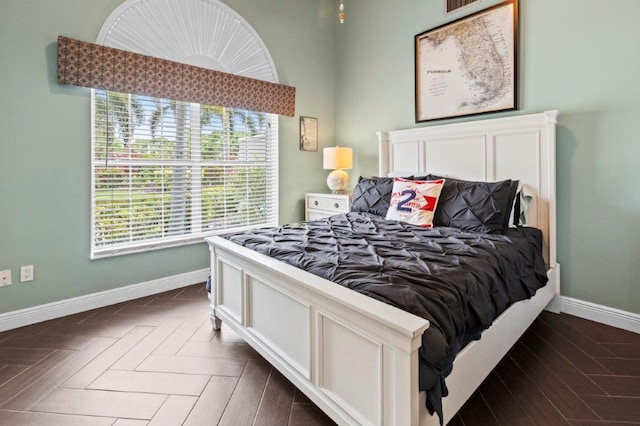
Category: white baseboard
[28,316]
[10,320]
[602,314]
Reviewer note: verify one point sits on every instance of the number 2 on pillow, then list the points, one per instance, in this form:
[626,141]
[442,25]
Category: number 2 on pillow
[411,195]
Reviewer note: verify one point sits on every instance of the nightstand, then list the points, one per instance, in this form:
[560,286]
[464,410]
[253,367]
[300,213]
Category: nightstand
[318,206]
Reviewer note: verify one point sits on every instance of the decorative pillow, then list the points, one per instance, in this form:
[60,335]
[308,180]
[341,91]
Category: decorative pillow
[372,195]
[482,207]
[415,201]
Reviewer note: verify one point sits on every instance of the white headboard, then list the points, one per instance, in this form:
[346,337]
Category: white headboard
[521,147]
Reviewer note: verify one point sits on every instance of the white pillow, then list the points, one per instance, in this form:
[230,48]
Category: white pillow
[525,198]
[414,201]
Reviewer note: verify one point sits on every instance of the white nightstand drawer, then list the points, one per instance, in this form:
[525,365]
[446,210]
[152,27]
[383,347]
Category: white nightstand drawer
[318,206]
[318,214]
[340,205]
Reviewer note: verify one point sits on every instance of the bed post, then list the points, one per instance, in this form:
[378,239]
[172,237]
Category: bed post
[216,323]
[551,120]
[383,153]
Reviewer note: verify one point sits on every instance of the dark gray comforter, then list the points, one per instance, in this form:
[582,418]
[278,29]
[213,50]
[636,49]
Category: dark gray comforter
[459,281]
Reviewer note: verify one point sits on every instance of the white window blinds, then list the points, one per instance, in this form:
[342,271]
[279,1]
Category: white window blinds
[167,173]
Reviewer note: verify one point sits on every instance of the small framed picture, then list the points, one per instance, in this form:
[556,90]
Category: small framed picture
[308,133]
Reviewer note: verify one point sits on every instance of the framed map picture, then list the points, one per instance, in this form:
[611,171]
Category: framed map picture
[468,66]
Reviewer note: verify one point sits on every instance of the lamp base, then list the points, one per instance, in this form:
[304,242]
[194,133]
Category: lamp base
[337,181]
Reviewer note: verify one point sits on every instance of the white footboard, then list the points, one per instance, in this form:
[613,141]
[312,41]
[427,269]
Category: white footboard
[353,356]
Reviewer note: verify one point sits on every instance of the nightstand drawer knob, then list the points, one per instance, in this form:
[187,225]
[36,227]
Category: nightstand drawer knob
[336,205]
[315,203]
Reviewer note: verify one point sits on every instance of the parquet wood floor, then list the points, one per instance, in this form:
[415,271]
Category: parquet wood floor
[156,361]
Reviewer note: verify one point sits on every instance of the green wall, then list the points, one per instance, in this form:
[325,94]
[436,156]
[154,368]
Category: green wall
[578,56]
[45,143]
[581,57]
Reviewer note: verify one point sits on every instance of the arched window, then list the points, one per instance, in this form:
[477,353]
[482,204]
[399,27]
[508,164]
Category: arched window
[166,172]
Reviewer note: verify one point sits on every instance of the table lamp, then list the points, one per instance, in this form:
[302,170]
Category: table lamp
[338,159]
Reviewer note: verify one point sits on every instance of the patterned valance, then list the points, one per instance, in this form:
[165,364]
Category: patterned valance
[99,67]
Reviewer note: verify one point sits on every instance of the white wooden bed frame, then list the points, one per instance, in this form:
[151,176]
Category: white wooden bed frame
[356,357]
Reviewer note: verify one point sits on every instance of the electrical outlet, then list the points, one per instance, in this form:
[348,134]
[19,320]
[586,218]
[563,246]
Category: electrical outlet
[26,273]
[5,277]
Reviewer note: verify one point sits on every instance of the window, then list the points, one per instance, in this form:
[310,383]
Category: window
[164,172]
[167,173]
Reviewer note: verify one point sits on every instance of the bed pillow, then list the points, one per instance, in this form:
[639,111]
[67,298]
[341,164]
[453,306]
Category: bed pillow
[525,198]
[414,201]
[372,195]
[482,207]
[511,215]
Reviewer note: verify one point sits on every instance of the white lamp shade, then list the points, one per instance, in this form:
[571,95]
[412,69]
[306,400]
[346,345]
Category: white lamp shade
[337,157]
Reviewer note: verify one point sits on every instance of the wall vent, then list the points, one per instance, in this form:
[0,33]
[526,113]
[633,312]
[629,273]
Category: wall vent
[453,5]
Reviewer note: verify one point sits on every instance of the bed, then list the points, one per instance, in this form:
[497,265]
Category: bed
[354,356]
